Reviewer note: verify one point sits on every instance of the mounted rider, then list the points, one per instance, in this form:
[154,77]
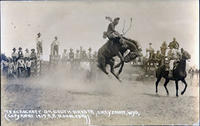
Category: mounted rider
[173,55]
[113,35]
[151,51]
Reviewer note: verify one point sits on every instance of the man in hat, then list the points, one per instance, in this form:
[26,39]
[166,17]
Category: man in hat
[54,46]
[89,54]
[112,34]
[77,56]
[174,44]
[20,67]
[28,67]
[94,56]
[39,44]
[33,55]
[64,55]
[163,48]
[20,53]
[14,56]
[71,55]
[150,50]
[26,55]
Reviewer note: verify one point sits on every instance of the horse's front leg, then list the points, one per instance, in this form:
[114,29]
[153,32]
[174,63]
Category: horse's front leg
[118,65]
[122,63]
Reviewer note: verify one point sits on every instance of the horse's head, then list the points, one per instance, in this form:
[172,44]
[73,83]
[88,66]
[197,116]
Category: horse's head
[133,46]
[186,56]
[135,49]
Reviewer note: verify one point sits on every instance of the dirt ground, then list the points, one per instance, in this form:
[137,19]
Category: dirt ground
[63,90]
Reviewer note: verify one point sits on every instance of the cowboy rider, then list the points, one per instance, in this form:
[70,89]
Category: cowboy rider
[112,34]
[173,55]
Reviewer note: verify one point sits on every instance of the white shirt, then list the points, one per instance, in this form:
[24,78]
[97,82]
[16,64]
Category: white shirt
[26,54]
[14,54]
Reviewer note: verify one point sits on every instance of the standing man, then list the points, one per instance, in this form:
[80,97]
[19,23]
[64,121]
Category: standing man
[28,67]
[77,56]
[71,55]
[20,67]
[26,55]
[20,53]
[54,46]
[64,56]
[14,56]
[39,44]
[89,54]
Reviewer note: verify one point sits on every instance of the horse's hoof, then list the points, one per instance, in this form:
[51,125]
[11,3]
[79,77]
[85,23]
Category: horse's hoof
[167,94]
[176,95]
[182,93]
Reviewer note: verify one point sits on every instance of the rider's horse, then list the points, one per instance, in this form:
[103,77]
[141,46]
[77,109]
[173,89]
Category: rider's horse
[179,74]
[111,49]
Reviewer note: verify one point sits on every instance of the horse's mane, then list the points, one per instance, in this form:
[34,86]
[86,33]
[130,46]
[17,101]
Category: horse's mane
[132,41]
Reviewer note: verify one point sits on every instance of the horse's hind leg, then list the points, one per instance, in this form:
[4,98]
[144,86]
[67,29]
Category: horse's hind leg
[157,82]
[165,85]
[176,88]
[102,64]
[111,62]
[103,69]
[185,86]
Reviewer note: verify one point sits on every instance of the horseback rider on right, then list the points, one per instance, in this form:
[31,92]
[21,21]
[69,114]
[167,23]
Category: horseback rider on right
[174,56]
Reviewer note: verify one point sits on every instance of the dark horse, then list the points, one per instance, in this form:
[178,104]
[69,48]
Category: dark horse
[111,49]
[179,74]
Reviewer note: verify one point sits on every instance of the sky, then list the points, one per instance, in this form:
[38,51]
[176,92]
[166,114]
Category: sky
[82,23]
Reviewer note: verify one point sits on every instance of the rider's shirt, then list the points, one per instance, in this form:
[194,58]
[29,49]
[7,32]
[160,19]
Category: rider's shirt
[111,31]
[111,28]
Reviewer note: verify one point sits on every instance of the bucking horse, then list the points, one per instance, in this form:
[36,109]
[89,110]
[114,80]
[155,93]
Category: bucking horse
[111,49]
